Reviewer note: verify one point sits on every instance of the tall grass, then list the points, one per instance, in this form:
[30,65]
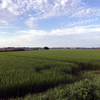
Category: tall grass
[20,75]
[35,71]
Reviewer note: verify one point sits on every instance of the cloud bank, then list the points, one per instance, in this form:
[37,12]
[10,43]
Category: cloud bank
[70,36]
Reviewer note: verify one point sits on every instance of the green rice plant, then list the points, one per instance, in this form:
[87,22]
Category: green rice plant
[20,75]
[87,89]
[35,71]
[82,57]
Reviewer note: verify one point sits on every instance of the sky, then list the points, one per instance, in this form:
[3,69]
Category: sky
[52,23]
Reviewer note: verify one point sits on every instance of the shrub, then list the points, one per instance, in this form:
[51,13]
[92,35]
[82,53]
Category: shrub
[46,48]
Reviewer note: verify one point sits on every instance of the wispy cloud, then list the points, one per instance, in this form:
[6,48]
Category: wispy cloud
[8,11]
[31,22]
[43,9]
[87,12]
[3,32]
[8,27]
[6,17]
[39,9]
[60,32]
[82,22]
[11,6]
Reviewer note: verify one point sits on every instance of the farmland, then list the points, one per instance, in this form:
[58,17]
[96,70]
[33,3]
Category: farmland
[37,71]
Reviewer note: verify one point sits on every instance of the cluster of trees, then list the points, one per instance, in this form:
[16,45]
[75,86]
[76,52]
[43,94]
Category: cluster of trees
[45,48]
[21,49]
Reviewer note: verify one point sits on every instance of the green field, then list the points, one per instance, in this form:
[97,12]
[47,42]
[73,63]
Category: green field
[37,71]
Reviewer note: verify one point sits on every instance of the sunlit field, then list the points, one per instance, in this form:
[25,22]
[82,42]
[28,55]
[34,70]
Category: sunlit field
[36,71]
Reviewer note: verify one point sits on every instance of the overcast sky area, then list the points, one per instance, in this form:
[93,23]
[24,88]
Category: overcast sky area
[52,23]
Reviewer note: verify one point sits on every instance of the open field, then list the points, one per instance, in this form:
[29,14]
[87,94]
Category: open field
[33,71]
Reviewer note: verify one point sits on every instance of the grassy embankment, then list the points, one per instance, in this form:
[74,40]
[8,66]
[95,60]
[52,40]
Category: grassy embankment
[36,71]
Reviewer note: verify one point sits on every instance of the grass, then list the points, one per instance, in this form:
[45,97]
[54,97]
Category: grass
[20,75]
[26,72]
[86,89]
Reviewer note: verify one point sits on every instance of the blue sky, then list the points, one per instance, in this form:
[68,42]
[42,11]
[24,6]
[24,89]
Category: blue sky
[52,23]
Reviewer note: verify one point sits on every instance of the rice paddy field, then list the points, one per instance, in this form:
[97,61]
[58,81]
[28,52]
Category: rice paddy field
[37,71]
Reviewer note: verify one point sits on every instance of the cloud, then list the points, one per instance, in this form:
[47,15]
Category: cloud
[3,32]
[78,30]
[9,10]
[87,12]
[75,36]
[8,27]
[82,22]
[43,9]
[6,17]
[31,23]
[21,18]
[11,6]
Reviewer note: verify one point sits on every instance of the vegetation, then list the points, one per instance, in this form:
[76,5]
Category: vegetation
[46,48]
[8,50]
[38,71]
[83,90]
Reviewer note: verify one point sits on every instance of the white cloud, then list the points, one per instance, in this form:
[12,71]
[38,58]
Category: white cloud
[3,32]
[76,36]
[29,15]
[6,17]
[8,27]
[43,9]
[9,10]
[30,22]
[21,18]
[11,6]
[82,22]
[87,12]
[60,32]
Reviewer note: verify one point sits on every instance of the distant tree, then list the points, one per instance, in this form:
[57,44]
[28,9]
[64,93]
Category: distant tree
[36,49]
[46,48]
[18,49]
[8,50]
